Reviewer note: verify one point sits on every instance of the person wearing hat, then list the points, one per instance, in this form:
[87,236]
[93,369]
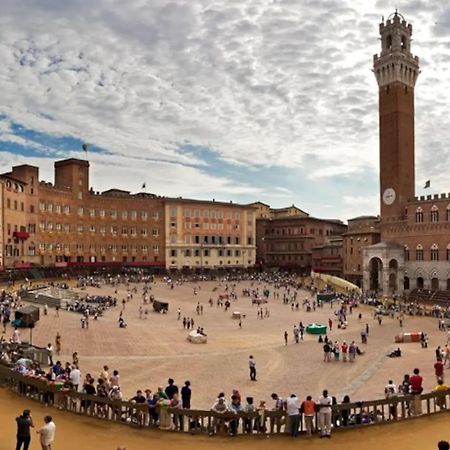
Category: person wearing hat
[24,423]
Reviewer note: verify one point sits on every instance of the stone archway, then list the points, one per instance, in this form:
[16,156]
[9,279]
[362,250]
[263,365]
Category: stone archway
[376,274]
[406,283]
[419,282]
[384,268]
[435,284]
[393,275]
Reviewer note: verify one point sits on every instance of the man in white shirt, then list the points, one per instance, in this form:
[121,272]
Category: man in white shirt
[390,390]
[47,433]
[293,412]
[325,402]
[75,377]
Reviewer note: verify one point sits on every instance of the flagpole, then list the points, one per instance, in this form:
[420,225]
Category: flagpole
[85,148]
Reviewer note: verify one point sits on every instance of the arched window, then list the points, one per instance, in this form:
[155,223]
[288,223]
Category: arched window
[419,215]
[406,253]
[434,253]
[389,42]
[419,253]
[434,214]
[448,213]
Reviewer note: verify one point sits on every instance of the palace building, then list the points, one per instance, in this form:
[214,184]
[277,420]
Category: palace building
[414,249]
[68,224]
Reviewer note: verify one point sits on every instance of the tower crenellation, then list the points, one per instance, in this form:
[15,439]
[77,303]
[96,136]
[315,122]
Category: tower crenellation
[396,62]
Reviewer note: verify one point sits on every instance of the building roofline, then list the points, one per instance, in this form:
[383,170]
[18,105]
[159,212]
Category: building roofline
[213,201]
[10,177]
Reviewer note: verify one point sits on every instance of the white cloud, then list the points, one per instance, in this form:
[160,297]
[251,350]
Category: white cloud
[262,83]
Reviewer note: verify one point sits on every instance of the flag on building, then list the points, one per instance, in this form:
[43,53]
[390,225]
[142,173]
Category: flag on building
[427,184]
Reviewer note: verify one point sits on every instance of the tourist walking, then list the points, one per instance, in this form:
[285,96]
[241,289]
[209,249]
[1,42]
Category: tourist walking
[324,404]
[24,423]
[47,433]
[252,367]
[58,343]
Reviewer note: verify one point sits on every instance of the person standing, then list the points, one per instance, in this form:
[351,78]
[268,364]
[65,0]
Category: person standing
[58,343]
[186,393]
[285,338]
[47,433]
[293,412]
[252,367]
[308,408]
[24,423]
[439,370]
[324,404]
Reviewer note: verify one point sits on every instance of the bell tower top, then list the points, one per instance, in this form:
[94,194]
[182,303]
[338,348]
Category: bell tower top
[396,62]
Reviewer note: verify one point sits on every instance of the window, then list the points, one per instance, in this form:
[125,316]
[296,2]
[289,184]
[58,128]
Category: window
[173,253]
[103,230]
[237,216]
[206,252]
[434,214]
[173,239]
[124,231]
[434,253]
[92,212]
[196,252]
[187,213]
[80,211]
[80,196]
[155,215]
[79,228]
[50,226]
[197,239]
[113,214]
[66,228]
[144,248]
[448,213]
[133,215]
[113,230]
[406,253]
[187,225]
[144,215]
[237,240]
[419,253]
[419,215]
[8,203]
[156,249]
[155,232]
[32,209]
[143,231]
[448,252]
[92,228]
[249,241]
[42,226]
[58,227]
[58,208]
[66,209]
[187,239]
[206,213]
[173,224]
[173,212]
[124,215]
[188,252]
[31,228]
[237,253]
[101,213]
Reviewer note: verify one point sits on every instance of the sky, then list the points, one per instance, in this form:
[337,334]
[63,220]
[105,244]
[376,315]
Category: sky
[269,100]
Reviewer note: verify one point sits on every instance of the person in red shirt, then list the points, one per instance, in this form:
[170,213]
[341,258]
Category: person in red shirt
[415,382]
[439,370]
[344,349]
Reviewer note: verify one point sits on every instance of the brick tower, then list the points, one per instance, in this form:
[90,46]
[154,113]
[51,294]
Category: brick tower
[396,71]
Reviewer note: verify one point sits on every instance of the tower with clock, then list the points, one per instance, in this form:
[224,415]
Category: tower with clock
[396,71]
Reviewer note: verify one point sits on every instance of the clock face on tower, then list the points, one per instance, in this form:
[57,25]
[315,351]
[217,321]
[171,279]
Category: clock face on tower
[389,196]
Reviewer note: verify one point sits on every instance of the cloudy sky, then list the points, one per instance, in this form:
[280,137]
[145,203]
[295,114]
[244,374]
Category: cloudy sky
[270,100]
